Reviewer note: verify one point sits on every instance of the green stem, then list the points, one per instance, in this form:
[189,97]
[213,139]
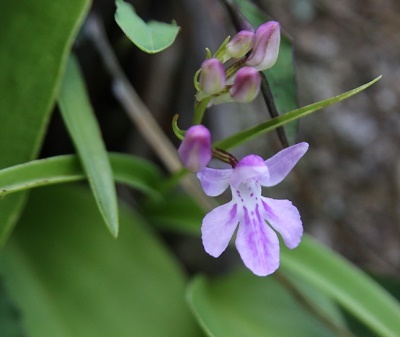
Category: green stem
[199,109]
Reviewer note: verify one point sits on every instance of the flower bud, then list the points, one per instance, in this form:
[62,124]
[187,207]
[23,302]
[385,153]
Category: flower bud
[195,150]
[246,85]
[212,76]
[266,46]
[241,44]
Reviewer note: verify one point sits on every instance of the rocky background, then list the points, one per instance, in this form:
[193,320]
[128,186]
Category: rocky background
[352,172]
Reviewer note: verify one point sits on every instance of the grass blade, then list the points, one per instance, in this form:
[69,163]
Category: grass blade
[288,117]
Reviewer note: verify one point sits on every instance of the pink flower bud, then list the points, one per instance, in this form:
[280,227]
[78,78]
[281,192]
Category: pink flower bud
[241,43]
[195,150]
[212,76]
[266,46]
[246,85]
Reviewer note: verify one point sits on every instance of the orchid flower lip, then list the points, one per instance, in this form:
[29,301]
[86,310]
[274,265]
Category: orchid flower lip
[258,217]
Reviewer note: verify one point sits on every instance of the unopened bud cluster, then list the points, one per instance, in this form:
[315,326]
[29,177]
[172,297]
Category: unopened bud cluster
[240,82]
[249,52]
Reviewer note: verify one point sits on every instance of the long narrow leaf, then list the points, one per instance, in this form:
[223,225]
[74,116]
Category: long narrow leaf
[273,123]
[35,37]
[84,130]
[354,290]
[132,171]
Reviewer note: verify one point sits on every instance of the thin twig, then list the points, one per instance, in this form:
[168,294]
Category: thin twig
[139,113]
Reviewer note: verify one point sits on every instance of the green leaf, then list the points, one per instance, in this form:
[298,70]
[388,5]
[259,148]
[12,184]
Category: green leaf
[344,283]
[244,305]
[132,171]
[151,37]
[68,277]
[35,37]
[10,317]
[178,213]
[260,129]
[281,77]
[85,133]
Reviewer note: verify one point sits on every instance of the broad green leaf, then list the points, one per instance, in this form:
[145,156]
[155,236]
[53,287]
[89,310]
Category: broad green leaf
[85,133]
[35,37]
[178,213]
[344,283]
[69,278]
[244,305]
[281,77]
[260,129]
[132,171]
[151,37]
[10,318]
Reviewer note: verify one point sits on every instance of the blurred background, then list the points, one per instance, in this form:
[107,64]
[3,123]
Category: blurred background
[347,187]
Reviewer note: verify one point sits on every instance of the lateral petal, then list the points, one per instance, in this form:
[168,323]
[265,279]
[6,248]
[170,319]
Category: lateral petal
[257,243]
[283,162]
[285,219]
[214,181]
[218,227]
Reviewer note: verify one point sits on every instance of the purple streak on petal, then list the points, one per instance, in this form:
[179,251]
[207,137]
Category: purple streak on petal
[214,181]
[258,244]
[218,227]
[285,219]
[249,167]
[282,163]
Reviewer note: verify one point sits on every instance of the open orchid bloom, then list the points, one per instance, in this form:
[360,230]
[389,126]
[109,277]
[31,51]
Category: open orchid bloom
[257,216]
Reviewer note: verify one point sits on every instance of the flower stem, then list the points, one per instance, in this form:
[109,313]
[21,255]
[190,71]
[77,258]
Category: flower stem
[199,109]
[225,157]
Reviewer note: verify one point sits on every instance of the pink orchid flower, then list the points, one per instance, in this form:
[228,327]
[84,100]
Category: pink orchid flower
[258,217]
